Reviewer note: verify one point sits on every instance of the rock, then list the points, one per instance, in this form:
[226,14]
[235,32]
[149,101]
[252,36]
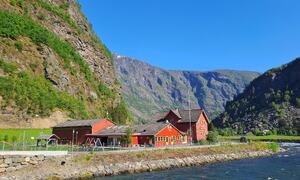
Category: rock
[8,161]
[2,170]
[3,165]
[9,169]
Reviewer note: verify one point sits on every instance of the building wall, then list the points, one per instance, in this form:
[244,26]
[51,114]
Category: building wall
[66,134]
[145,140]
[201,128]
[169,136]
[101,125]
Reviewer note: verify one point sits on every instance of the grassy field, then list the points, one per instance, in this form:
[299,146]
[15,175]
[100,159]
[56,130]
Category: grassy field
[17,135]
[264,138]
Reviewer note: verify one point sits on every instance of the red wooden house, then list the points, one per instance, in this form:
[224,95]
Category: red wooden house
[75,130]
[158,134]
[184,120]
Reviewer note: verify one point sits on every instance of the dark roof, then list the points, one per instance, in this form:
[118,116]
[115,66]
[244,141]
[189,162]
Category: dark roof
[79,123]
[47,136]
[145,129]
[183,115]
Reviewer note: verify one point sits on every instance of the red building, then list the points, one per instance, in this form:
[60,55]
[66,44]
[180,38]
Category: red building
[75,130]
[158,134]
[184,120]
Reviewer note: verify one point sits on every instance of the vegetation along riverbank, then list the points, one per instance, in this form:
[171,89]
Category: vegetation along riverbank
[88,165]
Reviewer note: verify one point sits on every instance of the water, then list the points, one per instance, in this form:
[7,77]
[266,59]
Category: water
[285,166]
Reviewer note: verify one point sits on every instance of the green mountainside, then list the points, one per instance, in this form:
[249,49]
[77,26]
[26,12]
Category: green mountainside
[148,89]
[270,102]
[52,63]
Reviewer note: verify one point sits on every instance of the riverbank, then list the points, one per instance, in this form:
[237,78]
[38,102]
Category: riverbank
[91,165]
[271,138]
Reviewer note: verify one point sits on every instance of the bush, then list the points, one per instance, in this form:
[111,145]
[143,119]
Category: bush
[213,136]
[13,25]
[35,95]
[274,147]
[19,46]
[7,67]
[203,142]
[128,137]
[298,102]
[121,115]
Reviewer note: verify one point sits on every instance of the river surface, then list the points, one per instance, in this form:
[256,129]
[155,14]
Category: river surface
[284,166]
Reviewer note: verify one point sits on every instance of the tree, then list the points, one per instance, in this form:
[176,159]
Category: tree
[121,115]
[14,139]
[5,139]
[128,137]
[213,136]
[298,102]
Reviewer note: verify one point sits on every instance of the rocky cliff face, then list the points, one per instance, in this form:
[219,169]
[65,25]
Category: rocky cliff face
[148,89]
[56,61]
[270,102]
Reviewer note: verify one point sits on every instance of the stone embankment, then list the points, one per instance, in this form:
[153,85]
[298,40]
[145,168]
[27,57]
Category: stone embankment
[94,169]
[14,162]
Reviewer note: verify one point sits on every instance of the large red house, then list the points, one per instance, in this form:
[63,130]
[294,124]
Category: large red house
[184,120]
[75,130]
[158,134]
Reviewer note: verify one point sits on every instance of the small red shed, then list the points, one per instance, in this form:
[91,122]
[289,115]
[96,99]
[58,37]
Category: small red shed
[75,130]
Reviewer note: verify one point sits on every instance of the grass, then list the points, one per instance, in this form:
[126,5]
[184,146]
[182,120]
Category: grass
[13,25]
[263,138]
[159,154]
[36,95]
[20,133]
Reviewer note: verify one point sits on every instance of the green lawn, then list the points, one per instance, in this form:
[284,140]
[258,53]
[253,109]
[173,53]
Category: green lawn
[264,138]
[19,134]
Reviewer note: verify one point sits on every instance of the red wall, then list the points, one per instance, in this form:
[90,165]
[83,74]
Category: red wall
[169,132]
[65,134]
[201,128]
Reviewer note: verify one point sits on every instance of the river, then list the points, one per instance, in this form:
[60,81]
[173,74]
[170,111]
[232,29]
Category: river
[285,166]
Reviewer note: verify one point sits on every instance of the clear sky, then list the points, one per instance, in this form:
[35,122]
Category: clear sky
[200,34]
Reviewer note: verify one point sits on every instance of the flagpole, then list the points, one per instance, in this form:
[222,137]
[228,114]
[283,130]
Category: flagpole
[189,109]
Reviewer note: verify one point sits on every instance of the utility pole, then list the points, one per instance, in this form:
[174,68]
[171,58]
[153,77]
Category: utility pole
[189,109]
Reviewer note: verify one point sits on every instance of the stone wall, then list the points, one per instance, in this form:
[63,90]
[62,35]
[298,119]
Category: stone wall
[14,162]
[76,171]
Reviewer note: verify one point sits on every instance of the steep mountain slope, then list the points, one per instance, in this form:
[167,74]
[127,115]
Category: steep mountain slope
[52,66]
[270,101]
[148,89]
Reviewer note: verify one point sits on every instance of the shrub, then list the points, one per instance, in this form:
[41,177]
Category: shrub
[213,136]
[121,115]
[298,102]
[5,138]
[274,147]
[36,95]
[7,67]
[105,91]
[203,142]
[19,46]
[128,137]
[14,25]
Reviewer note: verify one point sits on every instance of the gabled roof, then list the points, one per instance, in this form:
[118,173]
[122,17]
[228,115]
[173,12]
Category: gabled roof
[79,123]
[183,115]
[145,129]
[47,136]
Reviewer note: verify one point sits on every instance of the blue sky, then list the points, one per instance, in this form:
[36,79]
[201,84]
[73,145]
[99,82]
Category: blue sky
[200,35]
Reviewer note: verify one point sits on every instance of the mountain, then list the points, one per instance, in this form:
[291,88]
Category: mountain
[53,66]
[147,89]
[270,102]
